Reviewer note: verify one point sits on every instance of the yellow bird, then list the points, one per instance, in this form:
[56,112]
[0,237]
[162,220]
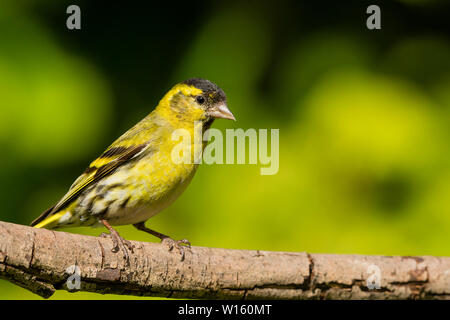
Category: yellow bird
[137,177]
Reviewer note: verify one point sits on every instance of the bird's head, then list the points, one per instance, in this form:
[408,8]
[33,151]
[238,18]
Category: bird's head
[196,100]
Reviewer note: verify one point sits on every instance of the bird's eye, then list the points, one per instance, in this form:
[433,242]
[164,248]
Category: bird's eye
[200,99]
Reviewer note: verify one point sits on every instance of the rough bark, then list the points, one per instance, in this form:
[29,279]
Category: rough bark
[38,260]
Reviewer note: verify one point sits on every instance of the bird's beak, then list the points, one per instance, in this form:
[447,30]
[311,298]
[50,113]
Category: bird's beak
[221,111]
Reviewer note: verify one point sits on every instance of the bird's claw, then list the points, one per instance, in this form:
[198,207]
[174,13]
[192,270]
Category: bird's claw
[119,243]
[179,244]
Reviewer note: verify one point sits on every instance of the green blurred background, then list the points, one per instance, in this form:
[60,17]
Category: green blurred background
[363,117]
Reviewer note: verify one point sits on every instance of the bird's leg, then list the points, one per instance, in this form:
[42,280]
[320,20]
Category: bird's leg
[165,239]
[118,241]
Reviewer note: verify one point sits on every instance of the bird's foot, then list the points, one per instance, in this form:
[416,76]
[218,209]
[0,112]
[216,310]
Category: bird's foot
[119,243]
[179,244]
[116,242]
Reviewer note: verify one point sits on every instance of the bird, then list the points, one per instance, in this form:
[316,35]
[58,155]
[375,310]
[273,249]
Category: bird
[136,177]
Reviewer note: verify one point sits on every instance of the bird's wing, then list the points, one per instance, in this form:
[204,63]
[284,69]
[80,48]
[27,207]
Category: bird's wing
[148,133]
[110,160]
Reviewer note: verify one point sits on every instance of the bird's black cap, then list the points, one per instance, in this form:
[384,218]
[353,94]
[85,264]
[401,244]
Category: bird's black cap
[202,84]
[207,87]
[214,99]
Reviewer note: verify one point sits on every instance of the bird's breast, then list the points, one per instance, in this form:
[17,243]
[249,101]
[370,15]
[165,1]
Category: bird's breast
[146,188]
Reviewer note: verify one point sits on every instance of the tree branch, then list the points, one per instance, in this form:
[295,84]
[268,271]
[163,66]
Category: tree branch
[38,260]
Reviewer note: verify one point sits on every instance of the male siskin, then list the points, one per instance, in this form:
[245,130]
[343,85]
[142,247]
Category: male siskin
[136,177]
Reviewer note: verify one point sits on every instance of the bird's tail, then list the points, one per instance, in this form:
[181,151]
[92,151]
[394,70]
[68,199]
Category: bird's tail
[48,219]
[51,221]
